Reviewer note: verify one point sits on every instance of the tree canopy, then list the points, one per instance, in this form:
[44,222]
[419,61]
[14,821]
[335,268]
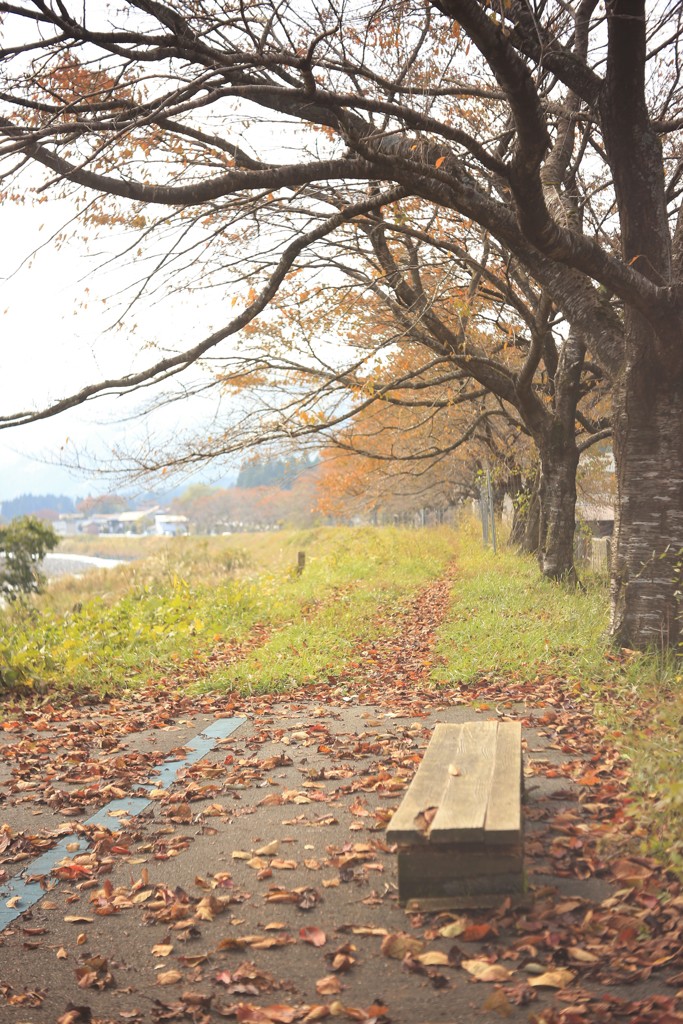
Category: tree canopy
[260,140]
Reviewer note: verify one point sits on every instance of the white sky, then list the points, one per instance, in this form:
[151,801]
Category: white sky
[50,346]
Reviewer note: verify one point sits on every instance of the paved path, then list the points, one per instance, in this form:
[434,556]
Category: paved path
[194,910]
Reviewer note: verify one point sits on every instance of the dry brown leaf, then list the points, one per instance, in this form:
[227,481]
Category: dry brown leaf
[162,949]
[171,977]
[397,944]
[559,977]
[454,928]
[330,985]
[269,850]
[498,1002]
[314,936]
[582,956]
[482,970]
[433,958]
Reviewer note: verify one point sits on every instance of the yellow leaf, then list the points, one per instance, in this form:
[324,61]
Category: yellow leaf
[398,944]
[484,971]
[169,977]
[454,928]
[558,978]
[433,958]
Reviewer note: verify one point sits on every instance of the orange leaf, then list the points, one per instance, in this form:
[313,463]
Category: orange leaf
[316,936]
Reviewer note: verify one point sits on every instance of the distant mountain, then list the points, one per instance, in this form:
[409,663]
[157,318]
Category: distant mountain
[35,504]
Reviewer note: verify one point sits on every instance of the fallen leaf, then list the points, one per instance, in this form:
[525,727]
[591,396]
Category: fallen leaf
[476,932]
[433,958]
[397,944]
[268,850]
[454,928]
[582,956]
[498,1002]
[171,977]
[314,936]
[330,985]
[559,977]
[163,949]
[482,970]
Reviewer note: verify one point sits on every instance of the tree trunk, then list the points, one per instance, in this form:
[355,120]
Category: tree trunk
[559,461]
[532,532]
[647,577]
[524,532]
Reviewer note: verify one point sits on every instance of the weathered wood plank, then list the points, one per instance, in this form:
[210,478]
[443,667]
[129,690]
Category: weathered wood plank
[430,863]
[504,811]
[458,828]
[426,790]
[462,810]
[477,901]
[415,882]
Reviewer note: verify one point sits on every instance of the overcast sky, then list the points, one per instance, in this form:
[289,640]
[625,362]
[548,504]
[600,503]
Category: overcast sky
[51,345]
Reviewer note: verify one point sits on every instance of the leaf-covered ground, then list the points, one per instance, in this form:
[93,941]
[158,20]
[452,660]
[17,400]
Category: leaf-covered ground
[260,888]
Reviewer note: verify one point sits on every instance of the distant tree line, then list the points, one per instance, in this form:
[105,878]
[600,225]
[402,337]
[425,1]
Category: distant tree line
[36,504]
[282,473]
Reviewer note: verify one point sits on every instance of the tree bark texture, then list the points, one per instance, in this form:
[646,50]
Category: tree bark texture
[524,532]
[647,583]
[558,509]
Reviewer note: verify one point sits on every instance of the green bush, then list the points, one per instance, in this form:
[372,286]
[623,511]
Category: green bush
[23,545]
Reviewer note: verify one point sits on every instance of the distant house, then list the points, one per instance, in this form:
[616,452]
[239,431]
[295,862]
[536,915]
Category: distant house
[598,518]
[167,525]
[140,521]
[69,524]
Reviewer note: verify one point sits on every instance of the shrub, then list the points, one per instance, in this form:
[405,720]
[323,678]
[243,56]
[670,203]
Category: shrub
[24,543]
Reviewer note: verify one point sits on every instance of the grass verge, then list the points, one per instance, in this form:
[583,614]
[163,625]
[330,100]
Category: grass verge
[507,621]
[185,597]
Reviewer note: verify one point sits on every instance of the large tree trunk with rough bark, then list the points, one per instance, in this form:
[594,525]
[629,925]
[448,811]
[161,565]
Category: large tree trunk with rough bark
[647,575]
[559,462]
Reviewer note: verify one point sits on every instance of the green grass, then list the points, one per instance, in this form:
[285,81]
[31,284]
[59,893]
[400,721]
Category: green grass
[507,622]
[341,600]
[174,605]
[507,619]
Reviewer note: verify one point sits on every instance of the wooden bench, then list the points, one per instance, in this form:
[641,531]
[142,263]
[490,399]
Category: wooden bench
[458,829]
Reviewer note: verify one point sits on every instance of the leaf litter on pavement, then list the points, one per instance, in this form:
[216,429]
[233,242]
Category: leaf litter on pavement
[599,939]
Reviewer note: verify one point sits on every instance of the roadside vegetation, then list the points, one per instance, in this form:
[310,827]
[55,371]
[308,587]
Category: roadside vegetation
[221,613]
[507,622]
[120,628]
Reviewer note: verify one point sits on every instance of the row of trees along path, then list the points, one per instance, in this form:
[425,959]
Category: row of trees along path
[502,183]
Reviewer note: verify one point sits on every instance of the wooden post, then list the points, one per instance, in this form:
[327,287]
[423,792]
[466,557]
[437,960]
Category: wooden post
[300,562]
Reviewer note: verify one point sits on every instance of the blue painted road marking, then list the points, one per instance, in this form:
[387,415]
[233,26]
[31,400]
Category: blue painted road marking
[29,890]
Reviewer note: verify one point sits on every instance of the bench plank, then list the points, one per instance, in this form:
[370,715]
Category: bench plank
[504,811]
[462,810]
[425,791]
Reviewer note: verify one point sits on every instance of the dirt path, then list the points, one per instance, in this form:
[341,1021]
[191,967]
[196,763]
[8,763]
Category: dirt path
[255,884]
